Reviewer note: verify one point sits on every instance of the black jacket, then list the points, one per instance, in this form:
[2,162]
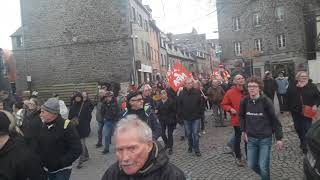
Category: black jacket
[17,162]
[59,147]
[258,118]
[309,93]
[148,117]
[157,167]
[85,117]
[270,87]
[167,112]
[31,126]
[110,111]
[189,104]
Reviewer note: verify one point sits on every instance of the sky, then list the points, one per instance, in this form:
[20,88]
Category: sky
[175,16]
[10,21]
[180,16]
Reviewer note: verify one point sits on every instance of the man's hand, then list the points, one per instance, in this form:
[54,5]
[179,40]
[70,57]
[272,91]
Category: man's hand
[233,111]
[245,137]
[314,108]
[279,145]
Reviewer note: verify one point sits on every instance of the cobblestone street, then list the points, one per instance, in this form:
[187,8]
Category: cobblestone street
[215,163]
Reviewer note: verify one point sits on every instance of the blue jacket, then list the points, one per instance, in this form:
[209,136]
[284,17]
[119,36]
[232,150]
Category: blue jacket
[282,85]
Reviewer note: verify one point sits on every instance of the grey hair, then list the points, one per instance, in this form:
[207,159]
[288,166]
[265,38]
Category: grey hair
[133,122]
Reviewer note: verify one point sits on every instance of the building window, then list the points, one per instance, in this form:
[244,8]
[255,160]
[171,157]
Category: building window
[258,45]
[134,16]
[142,46]
[137,44]
[281,40]
[146,25]
[19,41]
[279,13]
[140,20]
[256,19]
[236,23]
[237,48]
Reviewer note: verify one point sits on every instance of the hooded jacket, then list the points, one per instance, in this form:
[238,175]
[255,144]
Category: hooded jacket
[230,100]
[18,163]
[190,104]
[258,118]
[31,126]
[59,145]
[157,167]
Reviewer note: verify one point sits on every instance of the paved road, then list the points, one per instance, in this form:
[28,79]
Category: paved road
[214,164]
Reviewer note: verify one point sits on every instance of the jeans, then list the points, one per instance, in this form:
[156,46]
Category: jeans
[259,152]
[231,140]
[100,128]
[217,113]
[192,128]
[84,154]
[301,125]
[237,142]
[108,130]
[282,98]
[168,140]
[60,175]
[202,121]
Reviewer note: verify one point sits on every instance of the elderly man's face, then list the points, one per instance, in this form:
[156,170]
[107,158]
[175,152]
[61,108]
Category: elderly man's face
[131,152]
[46,116]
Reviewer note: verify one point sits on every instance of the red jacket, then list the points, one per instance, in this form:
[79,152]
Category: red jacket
[230,100]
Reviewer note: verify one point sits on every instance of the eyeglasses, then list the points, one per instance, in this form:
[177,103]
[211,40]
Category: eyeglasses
[253,86]
[134,100]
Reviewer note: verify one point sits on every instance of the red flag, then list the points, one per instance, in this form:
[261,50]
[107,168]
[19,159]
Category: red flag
[177,75]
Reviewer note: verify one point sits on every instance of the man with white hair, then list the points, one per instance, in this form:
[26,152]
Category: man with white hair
[139,157]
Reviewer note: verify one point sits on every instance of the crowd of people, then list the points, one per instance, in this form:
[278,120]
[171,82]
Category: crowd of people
[43,140]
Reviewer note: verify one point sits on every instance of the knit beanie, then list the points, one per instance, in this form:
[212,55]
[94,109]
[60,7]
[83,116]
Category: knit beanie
[52,106]
[4,124]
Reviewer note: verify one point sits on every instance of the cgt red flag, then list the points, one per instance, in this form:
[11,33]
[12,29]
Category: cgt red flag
[177,75]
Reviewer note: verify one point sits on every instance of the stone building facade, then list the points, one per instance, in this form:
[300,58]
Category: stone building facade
[266,34]
[196,44]
[90,41]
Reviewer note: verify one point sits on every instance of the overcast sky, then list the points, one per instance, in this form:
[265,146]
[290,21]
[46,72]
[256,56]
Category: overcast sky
[176,16]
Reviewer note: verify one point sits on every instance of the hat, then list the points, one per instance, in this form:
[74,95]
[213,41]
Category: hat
[109,93]
[4,124]
[132,94]
[52,106]
[267,72]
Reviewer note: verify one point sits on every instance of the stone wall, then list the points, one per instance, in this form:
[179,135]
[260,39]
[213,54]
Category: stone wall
[69,41]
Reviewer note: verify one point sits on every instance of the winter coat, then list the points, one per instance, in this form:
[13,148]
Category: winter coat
[17,162]
[59,144]
[167,112]
[31,126]
[282,85]
[110,111]
[258,118]
[149,101]
[309,93]
[99,116]
[270,87]
[147,116]
[189,104]
[215,94]
[157,167]
[230,100]
[84,119]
